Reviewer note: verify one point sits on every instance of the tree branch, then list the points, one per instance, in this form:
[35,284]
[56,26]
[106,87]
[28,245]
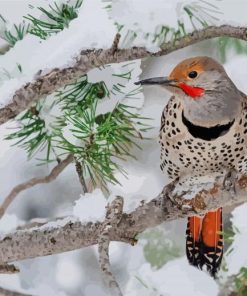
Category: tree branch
[34,181]
[8,269]
[113,217]
[115,43]
[89,59]
[69,234]
[81,177]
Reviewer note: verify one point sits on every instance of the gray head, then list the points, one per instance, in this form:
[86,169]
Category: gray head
[207,94]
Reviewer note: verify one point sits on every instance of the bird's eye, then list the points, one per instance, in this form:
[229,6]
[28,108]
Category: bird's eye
[192,74]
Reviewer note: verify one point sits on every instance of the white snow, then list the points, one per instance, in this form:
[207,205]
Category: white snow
[113,76]
[22,8]
[195,185]
[6,90]
[235,69]
[149,18]
[8,223]
[90,207]
[136,16]
[55,224]
[175,278]
[72,277]
[85,32]
[233,15]
[237,257]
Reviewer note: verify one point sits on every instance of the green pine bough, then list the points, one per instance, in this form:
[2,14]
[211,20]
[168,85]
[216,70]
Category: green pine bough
[100,139]
[53,21]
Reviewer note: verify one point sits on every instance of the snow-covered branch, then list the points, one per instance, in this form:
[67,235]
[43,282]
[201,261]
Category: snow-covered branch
[46,84]
[70,234]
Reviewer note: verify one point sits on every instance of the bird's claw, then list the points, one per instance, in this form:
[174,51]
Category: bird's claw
[186,208]
[229,182]
[168,191]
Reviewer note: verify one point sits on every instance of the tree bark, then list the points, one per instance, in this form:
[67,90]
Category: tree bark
[69,234]
[89,59]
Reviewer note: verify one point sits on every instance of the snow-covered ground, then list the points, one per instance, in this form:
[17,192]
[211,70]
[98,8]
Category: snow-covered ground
[77,273]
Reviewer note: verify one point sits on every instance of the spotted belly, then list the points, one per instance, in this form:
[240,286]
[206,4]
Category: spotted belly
[182,154]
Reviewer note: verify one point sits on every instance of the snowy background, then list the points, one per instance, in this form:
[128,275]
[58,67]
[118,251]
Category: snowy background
[157,265]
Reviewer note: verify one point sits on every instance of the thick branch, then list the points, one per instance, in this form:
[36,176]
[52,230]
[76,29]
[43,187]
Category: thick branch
[67,235]
[88,59]
[34,181]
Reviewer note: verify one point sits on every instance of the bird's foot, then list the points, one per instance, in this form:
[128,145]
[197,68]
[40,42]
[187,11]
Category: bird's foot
[229,182]
[176,199]
[186,208]
[168,191]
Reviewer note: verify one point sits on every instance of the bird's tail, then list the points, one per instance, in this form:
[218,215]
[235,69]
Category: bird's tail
[204,241]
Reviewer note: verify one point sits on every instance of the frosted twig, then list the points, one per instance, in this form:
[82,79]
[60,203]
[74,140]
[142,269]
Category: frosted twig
[8,268]
[113,217]
[34,181]
[88,59]
[115,43]
[80,176]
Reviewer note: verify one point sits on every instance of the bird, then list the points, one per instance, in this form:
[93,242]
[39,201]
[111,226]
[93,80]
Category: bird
[203,132]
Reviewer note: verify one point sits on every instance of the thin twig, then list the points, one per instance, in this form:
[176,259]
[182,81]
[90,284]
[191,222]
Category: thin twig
[113,217]
[5,48]
[115,43]
[34,181]
[81,177]
[228,288]
[8,269]
[89,59]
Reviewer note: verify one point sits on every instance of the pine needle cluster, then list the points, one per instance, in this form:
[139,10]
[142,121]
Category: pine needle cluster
[70,121]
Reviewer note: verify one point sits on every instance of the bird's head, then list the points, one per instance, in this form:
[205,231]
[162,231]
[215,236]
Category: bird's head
[207,94]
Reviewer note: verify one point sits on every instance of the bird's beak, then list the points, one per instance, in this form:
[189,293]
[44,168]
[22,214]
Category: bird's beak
[156,80]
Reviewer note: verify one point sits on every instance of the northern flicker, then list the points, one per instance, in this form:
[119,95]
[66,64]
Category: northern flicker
[203,131]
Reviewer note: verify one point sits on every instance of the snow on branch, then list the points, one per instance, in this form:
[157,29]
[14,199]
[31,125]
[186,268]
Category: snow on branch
[46,84]
[70,234]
